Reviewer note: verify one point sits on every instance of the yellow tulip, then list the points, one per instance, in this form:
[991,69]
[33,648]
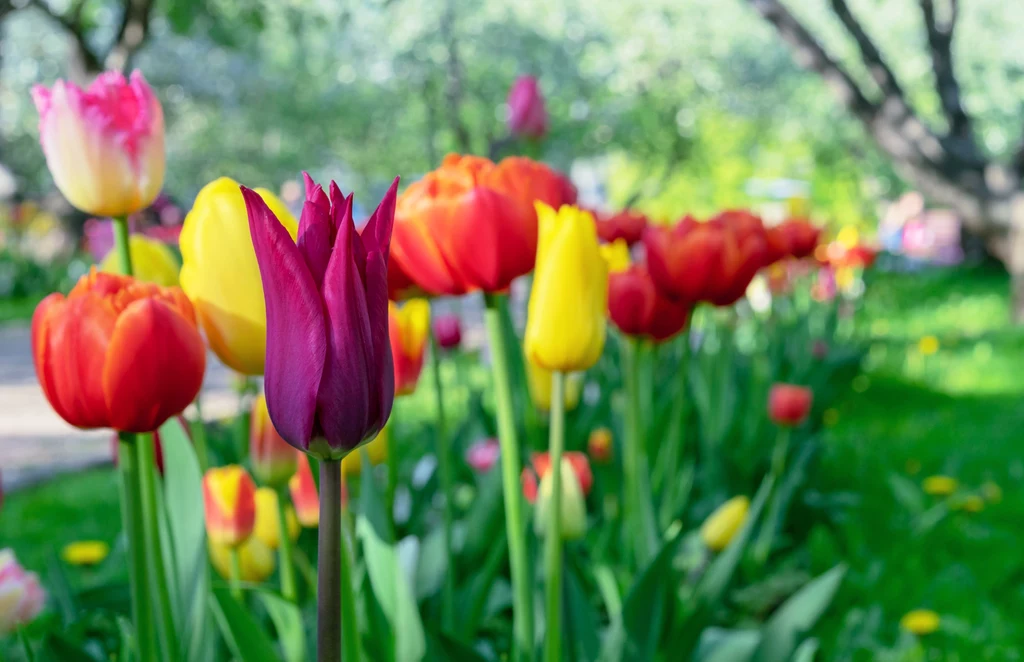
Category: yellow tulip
[616,255]
[85,552]
[152,261]
[267,527]
[565,327]
[255,560]
[377,450]
[540,387]
[221,276]
[722,525]
[920,621]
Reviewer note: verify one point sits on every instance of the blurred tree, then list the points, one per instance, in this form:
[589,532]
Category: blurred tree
[939,155]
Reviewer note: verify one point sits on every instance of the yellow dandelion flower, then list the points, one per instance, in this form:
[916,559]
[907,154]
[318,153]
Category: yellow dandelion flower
[920,621]
[85,552]
[928,345]
[940,485]
[972,503]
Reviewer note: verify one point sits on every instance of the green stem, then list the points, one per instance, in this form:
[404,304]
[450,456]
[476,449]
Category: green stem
[199,437]
[766,537]
[235,582]
[124,255]
[329,589]
[633,464]
[154,550]
[553,549]
[779,454]
[288,588]
[669,469]
[131,521]
[444,468]
[522,596]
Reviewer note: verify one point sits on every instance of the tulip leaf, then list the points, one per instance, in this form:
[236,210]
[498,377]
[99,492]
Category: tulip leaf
[797,616]
[581,622]
[431,565]
[244,636]
[443,647]
[288,622]
[720,645]
[185,544]
[486,518]
[806,651]
[394,593]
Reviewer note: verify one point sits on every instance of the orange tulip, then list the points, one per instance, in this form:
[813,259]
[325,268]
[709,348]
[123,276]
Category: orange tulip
[305,497]
[599,445]
[229,499]
[470,224]
[272,458]
[117,353]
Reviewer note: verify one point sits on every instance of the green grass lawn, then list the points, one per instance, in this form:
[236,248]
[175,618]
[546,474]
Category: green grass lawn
[909,415]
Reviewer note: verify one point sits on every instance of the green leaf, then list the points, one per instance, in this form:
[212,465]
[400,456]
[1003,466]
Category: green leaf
[442,647]
[392,588]
[806,651]
[485,520]
[581,622]
[244,636]
[907,494]
[719,645]
[431,565]
[288,622]
[797,616]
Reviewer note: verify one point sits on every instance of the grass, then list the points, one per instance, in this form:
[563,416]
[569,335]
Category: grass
[909,415]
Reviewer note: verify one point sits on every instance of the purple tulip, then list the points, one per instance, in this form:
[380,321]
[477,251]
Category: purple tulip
[329,380]
[527,115]
[448,331]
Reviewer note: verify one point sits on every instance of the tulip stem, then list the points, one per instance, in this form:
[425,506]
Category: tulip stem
[444,468]
[235,580]
[144,447]
[124,254]
[669,469]
[329,630]
[553,549]
[522,596]
[199,436]
[288,589]
[634,464]
[131,521]
[763,545]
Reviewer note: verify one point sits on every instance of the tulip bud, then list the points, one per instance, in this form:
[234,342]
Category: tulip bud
[599,445]
[527,115]
[21,596]
[267,526]
[541,462]
[573,504]
[152,261]
[448,331]
[539,381]
[229,498]
[565,327]
[104,145]
[483,455]
[255,560]
[722,525]
[408,327]
[788,404]
[273,459]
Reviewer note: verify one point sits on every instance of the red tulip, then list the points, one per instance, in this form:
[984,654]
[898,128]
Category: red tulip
[117,353]
[229,500]
[470,224]
[527,116]
[541,463]
[628,225]
[599,445]
[637,308]
[801,237]
[789,404]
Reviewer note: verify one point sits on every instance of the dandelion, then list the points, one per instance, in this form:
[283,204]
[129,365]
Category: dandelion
[920,621]
[85,552]
[928,345]
[940,485]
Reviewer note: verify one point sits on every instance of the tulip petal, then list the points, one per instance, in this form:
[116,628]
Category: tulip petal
[296,337]
[315,239]
[382,359]
[377,233]
[155,356]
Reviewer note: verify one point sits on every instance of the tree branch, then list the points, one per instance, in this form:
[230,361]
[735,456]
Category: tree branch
[131,34]
[453,87]
[880,72]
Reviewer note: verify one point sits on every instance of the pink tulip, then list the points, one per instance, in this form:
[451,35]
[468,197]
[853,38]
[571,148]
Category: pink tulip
[483,454]
[527,115]
[21,596]
[104,145]
[448,331]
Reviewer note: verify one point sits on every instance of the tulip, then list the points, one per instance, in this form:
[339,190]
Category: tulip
[152,261]
[329,375]
[229,500]
[255,560]
[408,328]
[599,445]
[21,596]
[565,327]
[448,331]
[470,224]
[267,526]
[539,381]
[117,353]
[527,116]
[572,505]
[483,455]
[541,463]
[273,459]
[85,552]
[638,308]
[721,526]
[789,404]
[801,237]
[713,261]
[920,622]
[104,145]
[628,225]
[304,493]
[220,273]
